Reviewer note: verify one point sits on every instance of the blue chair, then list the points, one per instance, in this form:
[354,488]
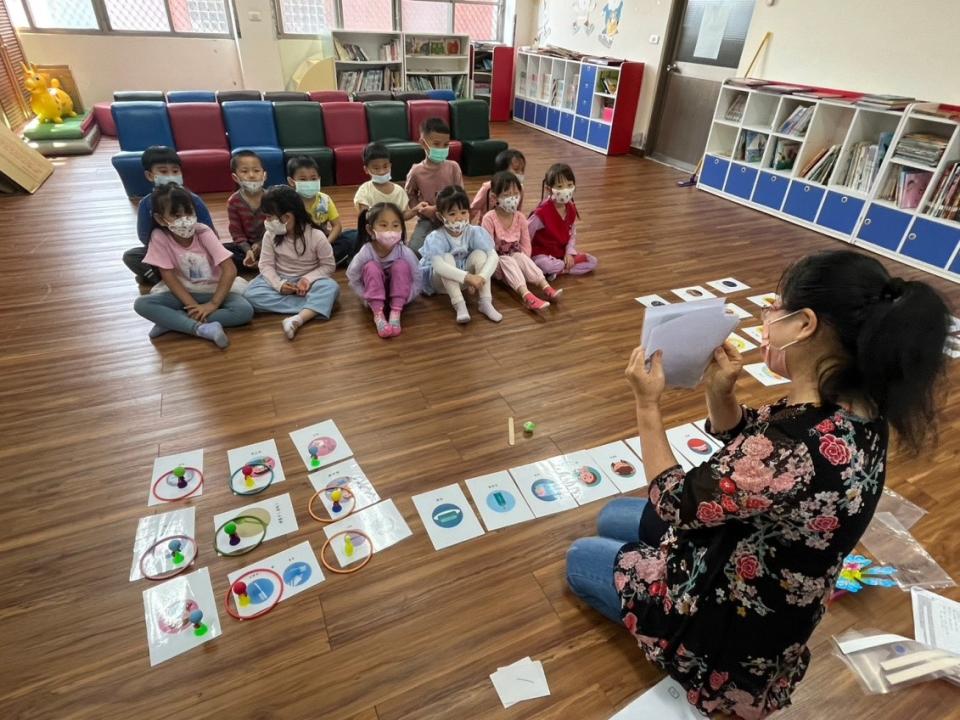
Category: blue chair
[140,124]
[185,96]
[251,126]
[447,95]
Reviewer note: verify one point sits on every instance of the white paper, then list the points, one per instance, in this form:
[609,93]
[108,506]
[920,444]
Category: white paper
[168,488]
[737,311]
[543,489]
[713,25]
[936,620]
[634,444]
[766,300]
[951,352]
[741,344]
[499,500]
[326,438]
[625,470]
[382,522]
[155,527]
[276,512]
[695,446]
[583,477]
[166,608]
[728,285]
[265,452]
[523,680]
[447,516]
[297,567]
[667,700]
[865,643]
[765,375]
[754,333]
[344,474]
[652,301]
[693,293]
[954,324]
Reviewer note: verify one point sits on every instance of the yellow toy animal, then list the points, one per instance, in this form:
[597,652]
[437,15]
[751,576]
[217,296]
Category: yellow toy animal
[48,101]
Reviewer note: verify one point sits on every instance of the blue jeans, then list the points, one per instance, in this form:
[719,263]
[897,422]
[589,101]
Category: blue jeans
[590,561]
[320,297]
[165,310]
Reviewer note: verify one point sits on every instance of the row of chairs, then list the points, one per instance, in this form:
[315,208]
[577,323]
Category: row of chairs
[183,96]
[334,134]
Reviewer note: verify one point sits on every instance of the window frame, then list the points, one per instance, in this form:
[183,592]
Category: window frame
[104,27]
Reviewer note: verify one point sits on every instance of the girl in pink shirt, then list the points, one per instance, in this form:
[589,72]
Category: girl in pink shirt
[508,228]
[512,160]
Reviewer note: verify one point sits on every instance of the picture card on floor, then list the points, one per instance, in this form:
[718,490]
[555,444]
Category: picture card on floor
[766,300]
[583,477]
[382,522]
[346,474]
[737,311]
[667,700]
[264,459]
[621,466]
[634,444]
[499,501]
[936,620]
[693,293]
[275,513]
[652,301]
[543,489]
[765,375]
[153,531]
[297,568]
[754,333]
[320,445]
[695,446]
[167,610]
[169,484]
[522,680]
[741,344]
[447,516]
[728,285]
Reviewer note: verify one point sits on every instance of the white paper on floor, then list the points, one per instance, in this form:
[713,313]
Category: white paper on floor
[736,311]
[634,444]
[667,700]
[652,301]
[523,680]
[265,459]
[157,527]
[499,500]
[687,440]
[619,463]
[447,516]
[297,568]
[261,521]
[320,445]
[167,490]
[765,375]
[543,488]
[382,522]
[347,474]
[728,285]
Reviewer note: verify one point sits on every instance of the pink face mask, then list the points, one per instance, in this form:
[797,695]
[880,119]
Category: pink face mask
[775,358]
[388,238]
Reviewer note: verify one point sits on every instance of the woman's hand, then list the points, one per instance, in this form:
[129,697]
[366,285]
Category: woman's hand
[647,383]
[721,374]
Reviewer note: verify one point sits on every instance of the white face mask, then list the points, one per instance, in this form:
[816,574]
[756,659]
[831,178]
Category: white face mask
[509,203]
[380,179]
[183,226]
[563,195]
[251,186]
[277,227]
[161,180]
[457,226]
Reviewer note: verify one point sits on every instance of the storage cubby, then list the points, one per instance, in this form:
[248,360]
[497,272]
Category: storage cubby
[761,110]
[368,61]
[788,106]
[824,139]
[437,61]
[869,127]
[731,105]
[722,140]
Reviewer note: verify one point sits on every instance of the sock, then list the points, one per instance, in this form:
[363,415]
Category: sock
[158,330]
[383,329]
[395,320]
[213,331]
[485,306]
[462,315]
[291,325]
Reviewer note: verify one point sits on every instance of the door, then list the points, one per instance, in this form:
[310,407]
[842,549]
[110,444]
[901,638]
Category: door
[704,44]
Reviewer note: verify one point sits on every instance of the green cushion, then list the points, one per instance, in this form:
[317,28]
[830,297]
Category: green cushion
[299,124]
[479,156]
[470,119]
[387,121]
[61,146]
[70,129]
[403,156]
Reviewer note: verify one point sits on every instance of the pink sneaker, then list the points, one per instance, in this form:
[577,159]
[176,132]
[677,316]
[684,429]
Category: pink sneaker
[552,294]
[532,302]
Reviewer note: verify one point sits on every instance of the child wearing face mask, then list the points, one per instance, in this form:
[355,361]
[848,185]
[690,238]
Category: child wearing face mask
[427,178]
[553,229]
[385,267]
[243,207]
[303,175]
[296,263]
[459,255]
[508,228]
[161,165]
[196,294]
[512,160]
[380,188]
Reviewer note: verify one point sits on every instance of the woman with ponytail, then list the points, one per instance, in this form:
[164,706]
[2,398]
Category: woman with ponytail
[724,573]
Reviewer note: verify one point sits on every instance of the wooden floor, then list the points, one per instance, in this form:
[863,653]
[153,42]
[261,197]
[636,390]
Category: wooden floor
[88,402]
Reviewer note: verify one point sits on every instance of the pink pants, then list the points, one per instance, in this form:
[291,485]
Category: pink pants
[517,269]
[376,280]
[554,266]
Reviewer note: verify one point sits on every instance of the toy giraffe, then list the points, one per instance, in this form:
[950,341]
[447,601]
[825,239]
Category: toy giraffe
[47,100]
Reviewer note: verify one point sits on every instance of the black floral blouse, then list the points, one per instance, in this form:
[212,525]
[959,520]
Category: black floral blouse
[758,534]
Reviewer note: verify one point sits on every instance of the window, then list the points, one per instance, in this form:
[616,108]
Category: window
[305,17]
[179,17]
[367,15]
[480,19]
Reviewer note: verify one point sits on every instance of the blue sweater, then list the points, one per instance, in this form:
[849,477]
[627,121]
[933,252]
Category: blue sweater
[145,216]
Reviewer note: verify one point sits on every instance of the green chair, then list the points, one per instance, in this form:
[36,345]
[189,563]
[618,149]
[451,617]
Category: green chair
[387,123]
[300,131]
[470,124]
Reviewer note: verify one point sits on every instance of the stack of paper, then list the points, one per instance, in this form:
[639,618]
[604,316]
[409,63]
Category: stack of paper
[524,680]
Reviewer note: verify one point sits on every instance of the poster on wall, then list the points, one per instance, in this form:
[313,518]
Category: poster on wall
[612,12]
[582,10]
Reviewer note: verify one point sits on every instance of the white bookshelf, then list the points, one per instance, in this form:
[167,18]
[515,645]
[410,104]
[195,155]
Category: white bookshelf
[440,59]
[861,216]
[384,53]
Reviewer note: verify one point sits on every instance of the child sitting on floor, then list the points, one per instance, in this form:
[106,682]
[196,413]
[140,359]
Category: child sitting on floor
[303,175]
[384,266]
[197,271]
[459,255]
[512,160]
[428,177]
[379,188]
[508,228]
[243,207]
[296,263]
[552,227]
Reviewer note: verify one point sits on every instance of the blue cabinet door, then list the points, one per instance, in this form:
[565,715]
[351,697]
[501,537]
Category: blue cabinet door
[840,212]
[740,181]
[588,80]
[581,126]
[770,190]
[518,107]
[884,227]
[599,135]
[803,200]
[714,171]
[553,120]
[529,111]
[566,124]
[931,242]
[541,118]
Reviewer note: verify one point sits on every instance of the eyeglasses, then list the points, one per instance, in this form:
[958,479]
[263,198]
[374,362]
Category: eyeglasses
[766,311]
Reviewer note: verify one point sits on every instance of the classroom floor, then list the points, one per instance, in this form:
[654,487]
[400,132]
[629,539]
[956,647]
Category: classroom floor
[88,402]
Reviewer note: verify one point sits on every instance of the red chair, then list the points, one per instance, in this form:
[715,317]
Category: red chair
[345,128]
[420,110]
[325,96]
[202,146]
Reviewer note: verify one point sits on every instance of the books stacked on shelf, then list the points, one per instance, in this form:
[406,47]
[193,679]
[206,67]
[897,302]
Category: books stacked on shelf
[885,102]
[349,51]
[798,121]
[391,51]
[945,202]
[750,146]
[565,54]
[483,63]
[784,154]
[863,163]
[906,187]
[825,95]
[786,89]
[556,93]
[748,82]
[921,147]
[433,46]
[422,83]
[352,81]
[940,111]
[820,167]
[481,89]
[735,110]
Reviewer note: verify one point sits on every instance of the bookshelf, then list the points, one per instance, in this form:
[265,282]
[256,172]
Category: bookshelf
[583,102]
[906,207]
[368,60]
[491,73]
[436,61]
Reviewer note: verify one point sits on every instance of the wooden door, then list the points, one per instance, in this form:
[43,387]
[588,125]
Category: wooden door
[14,102]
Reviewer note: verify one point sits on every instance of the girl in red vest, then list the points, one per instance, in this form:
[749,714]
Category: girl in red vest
[552,227]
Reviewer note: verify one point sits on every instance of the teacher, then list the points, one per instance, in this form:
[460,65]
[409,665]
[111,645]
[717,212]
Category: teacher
[724,574]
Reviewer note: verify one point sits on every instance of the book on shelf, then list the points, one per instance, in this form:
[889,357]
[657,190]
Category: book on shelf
[349,51]
[906,187]
[353,81]
[751,146]
[391,51]
[940,111]
[945,201]
[819,169]
[748,82]
[798,121]
[785,154]
[556,92]
[885,102]
[433,46]
[863,163]
[422,83]
[786,89]
[921,147]
[735,109]
[824,95]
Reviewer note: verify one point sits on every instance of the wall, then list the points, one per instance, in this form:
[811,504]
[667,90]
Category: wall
[880,46]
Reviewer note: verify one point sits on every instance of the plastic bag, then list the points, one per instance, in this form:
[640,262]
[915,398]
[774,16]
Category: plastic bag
[892,544]
[908,513]
[885,663]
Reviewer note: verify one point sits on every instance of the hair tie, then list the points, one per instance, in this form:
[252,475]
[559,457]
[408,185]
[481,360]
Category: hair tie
[893,289]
